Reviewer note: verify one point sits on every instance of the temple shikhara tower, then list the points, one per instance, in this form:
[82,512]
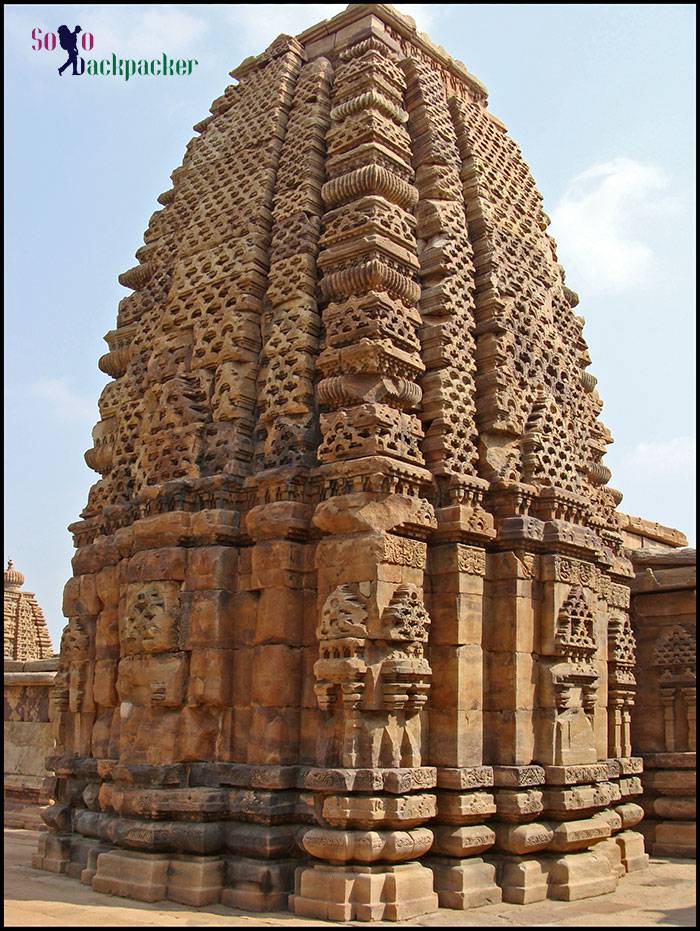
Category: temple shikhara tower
[26,634]
[348,631]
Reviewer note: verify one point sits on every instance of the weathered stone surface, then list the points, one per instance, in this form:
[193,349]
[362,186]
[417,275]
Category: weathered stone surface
[521,839]
[463,884]
[663,612]
[28,740]
[630,814]
[613,852]
[141,876]
[465,841]
[523,879]
[26,636]
[577,835]
[673,838]
[30,669]
[580,876]
[631,845]
[389,893]
[258,885]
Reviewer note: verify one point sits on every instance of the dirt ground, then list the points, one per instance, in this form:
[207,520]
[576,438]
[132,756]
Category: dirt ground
[663,894]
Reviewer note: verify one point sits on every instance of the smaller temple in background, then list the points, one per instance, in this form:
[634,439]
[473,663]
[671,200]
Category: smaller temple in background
[30,669]
[663,727]
[26,634]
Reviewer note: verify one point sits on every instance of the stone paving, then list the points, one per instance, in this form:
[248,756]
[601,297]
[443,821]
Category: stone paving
[663,894]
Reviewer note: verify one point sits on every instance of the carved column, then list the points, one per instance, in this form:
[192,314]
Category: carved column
[690,699]
[372,675]
[625,848]
[668,702]
[462,878]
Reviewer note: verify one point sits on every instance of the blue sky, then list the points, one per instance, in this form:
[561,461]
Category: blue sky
[599,97]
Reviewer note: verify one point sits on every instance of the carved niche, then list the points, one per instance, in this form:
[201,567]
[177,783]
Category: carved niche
[372,679]
[674,658]
[574,679]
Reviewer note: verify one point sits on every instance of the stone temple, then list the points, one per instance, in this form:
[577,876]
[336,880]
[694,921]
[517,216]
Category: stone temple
[349,621]
[26,636]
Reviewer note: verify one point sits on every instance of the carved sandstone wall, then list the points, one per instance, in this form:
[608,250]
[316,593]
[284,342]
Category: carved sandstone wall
[349,620]
[663,727]
[28,739]
[30,667]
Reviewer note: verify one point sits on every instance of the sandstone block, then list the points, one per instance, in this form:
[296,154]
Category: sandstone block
[669,782]
[258,885]
[517,776]
[580,876]
[523,880]
[630,813]
[674,839]
[53,853]
[462,884]
[675,808]
[141,876]
[391,893]
[520,839]
[631,845]
[367,846]
[612,850]
[465,841]
[464,777]
[456,617]
[211,568]
[577,835]
[465,807]
[572,774]
[166,563]
[523,805]
[212,618]
[195,880]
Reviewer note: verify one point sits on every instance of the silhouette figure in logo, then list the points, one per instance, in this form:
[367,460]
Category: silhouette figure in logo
[69,42]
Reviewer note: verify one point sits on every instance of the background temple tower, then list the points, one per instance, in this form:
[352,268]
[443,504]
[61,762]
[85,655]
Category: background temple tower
[26,634]
[349,619]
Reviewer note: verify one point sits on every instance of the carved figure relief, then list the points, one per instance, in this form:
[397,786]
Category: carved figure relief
[574,680]
[374,686]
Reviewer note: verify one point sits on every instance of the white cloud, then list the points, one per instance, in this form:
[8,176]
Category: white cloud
[606,222]
[64,400]
[661,459]
[261,23]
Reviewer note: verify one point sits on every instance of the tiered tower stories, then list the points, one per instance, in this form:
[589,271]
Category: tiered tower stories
[349,621]
[26,634]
